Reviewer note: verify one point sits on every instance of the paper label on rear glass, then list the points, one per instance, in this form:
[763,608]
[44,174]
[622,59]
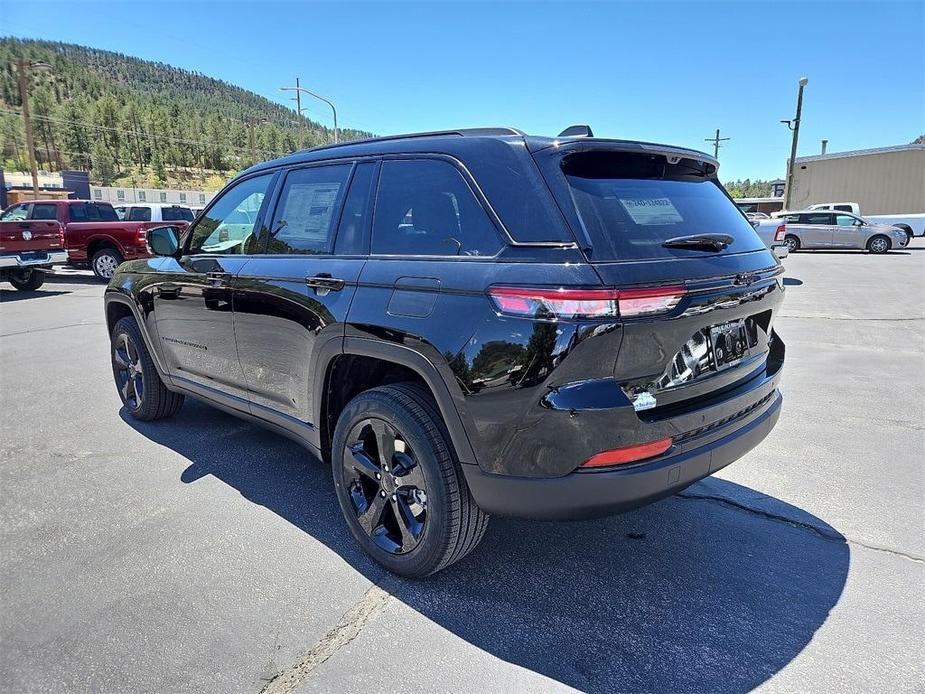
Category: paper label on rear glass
[649,209]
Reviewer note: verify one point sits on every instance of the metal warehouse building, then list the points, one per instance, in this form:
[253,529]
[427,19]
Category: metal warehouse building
[886,180]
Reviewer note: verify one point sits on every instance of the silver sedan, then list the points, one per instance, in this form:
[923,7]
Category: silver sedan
[820,229]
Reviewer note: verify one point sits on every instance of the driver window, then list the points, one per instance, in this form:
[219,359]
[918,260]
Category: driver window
[844,220]
[15,213]
[228,227]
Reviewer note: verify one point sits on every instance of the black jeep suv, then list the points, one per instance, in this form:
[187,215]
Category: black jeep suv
[466,323]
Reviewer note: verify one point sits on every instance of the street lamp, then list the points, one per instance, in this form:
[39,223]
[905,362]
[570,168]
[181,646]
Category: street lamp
[299,89]
[23,67]
[794,126]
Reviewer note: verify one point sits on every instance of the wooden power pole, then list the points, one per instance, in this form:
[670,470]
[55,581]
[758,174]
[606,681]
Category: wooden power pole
[22,67]
[716,139]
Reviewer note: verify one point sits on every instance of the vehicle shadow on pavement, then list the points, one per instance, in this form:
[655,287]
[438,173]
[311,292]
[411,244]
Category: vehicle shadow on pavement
[716,589]
[9,295]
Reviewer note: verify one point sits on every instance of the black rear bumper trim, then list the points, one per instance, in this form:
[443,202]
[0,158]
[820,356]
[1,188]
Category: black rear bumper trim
[593,494]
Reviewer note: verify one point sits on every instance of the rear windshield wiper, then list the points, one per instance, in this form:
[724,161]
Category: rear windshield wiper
[716,242]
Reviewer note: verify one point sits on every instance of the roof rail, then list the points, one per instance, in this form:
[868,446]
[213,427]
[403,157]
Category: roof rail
[461,132]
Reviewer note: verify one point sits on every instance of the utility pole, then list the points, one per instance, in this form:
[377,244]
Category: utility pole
[22,66]
[716,140]
[252,138]
[794,125]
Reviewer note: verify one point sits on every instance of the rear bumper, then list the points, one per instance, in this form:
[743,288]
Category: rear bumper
[23,260]
[591,494]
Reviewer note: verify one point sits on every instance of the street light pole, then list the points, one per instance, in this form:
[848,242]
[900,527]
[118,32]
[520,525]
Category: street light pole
[298,88]
[794,125]
[298,106]
[21,67]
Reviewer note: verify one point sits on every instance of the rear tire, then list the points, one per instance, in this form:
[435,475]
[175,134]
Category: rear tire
[104,263]
[405,501]
[28,280]
[879,244]
[792,243]
[140,387]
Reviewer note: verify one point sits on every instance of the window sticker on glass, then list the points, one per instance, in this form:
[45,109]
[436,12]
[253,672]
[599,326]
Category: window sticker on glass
[650,208]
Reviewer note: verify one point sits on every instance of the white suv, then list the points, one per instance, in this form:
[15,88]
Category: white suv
[153,212]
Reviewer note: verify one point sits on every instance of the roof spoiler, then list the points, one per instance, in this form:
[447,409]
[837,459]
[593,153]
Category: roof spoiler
[577,131]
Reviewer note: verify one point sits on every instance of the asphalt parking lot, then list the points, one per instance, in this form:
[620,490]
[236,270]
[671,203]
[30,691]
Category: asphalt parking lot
[206,554]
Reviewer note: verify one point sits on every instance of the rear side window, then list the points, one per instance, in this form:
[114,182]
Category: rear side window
[139,214]
[44,211]
[92,212]
[176,214]
[307,212]
[629,204]
[816,218]
[425,207]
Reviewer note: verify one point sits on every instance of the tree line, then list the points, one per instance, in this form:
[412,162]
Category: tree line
[108,113]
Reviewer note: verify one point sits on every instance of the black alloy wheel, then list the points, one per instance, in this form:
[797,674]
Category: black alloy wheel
[385,485]
[129,373]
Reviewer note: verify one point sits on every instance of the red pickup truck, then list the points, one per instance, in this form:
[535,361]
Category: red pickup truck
[93,233]
[28,248]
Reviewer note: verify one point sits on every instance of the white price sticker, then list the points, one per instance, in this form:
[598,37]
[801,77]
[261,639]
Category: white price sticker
[657,210]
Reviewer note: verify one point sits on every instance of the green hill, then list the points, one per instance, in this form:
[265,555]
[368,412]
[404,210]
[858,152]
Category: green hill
[130,120]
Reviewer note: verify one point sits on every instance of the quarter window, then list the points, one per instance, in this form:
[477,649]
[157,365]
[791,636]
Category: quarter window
[307,213]
[425,207]
[229,226]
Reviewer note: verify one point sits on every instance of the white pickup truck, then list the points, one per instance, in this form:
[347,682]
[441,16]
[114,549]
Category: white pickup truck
[913,224]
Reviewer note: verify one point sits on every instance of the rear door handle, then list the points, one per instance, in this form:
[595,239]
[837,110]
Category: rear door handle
[217,279]
[323,283]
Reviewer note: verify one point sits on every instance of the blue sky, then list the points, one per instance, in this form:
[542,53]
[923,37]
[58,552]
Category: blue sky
[668,72]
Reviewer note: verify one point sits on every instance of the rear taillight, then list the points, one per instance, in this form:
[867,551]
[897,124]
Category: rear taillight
[780,233]
[585,303]
[629,454]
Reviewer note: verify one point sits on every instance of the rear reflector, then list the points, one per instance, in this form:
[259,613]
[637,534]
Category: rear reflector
[630,454]
[780,233]
[585,303]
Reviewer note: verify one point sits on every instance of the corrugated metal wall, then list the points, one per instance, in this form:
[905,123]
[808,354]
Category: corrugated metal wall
[882,183]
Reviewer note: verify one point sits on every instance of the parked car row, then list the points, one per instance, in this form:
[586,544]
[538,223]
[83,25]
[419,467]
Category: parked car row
[37,235]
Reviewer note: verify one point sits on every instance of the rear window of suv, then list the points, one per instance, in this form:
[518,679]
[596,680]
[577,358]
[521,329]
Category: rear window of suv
[176,214]
[629,204]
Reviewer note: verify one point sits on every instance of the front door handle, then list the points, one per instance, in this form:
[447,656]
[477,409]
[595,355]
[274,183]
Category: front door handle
[323,283]
[217,279]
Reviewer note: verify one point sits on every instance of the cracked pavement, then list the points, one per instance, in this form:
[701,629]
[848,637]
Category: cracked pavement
[206,554]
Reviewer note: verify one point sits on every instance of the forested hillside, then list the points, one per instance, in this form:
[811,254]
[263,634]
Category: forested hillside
[126,119]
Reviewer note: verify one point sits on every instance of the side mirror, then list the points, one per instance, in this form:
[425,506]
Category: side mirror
[164,241]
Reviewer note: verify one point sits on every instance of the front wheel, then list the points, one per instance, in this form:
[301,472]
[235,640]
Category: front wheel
[878,244]
[140,387]
[28,280]
[104,263]
[398,482]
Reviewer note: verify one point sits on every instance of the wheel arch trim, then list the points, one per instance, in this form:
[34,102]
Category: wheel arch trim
[116,297]
[417,362]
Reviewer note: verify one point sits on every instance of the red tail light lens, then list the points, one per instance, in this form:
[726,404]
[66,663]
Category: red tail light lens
[630,454]
[585,303]
[780,233]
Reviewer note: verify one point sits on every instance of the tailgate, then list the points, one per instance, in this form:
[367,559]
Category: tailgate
[649,219]
[25,236]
